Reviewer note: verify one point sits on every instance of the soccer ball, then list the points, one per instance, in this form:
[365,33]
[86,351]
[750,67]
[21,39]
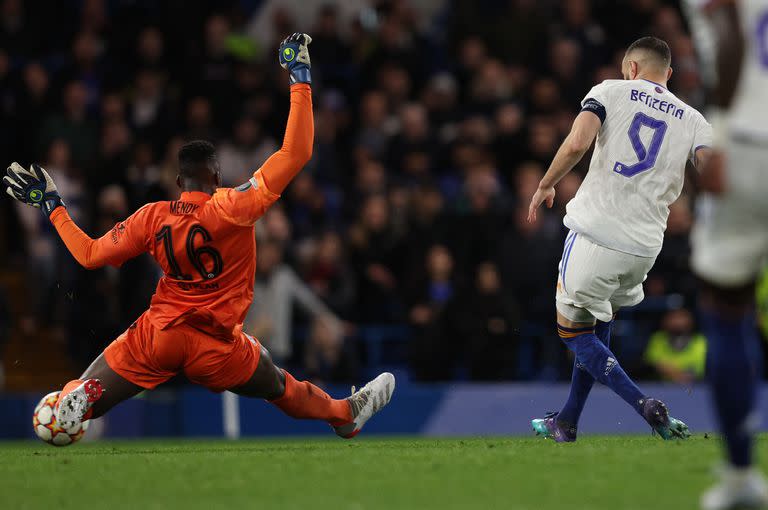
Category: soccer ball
[46,428]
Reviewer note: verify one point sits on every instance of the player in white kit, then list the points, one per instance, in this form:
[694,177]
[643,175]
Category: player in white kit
[730,238]
[645,136]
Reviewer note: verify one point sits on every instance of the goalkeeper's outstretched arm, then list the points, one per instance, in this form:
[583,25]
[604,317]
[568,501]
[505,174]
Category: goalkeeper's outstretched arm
[84,249]
[283,165]
[247,203]
[113,248]
[296,151]
[35,187]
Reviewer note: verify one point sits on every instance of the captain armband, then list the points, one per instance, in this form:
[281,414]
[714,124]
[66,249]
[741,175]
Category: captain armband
[594,106]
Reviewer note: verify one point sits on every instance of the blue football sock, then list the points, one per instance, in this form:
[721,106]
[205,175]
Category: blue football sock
[582,382]
[601,364]
[733,368]
[603,332]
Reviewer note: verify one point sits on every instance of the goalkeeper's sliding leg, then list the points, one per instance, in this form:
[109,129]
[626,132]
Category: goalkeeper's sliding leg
[97,391]
[144,357]
[304,400]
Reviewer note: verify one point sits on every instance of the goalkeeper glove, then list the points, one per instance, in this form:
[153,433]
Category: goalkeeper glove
[294,57]
[33,187]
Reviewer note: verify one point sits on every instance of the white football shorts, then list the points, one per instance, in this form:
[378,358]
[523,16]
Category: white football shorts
[595,281]
[730,237]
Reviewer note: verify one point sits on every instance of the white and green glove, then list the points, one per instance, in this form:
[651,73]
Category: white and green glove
[33,187]
[294,57]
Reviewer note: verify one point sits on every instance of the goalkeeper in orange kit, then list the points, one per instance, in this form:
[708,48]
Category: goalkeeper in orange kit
[205,244]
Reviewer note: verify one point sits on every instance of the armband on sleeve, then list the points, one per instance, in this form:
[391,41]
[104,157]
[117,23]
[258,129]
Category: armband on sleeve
[594,106]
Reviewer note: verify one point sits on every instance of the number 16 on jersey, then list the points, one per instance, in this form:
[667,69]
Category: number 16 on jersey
[195,255]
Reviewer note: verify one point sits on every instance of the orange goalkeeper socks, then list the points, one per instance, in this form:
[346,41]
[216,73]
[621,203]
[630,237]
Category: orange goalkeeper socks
[71,385]
[307,401]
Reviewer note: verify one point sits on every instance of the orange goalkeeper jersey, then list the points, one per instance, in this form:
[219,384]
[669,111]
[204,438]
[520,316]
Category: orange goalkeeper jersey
[204,244]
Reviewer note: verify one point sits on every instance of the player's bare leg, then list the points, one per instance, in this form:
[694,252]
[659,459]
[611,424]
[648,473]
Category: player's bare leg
[595,358]
[304,400]
[267,381]
[97,391]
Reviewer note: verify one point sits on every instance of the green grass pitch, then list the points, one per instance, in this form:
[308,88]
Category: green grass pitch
[596,473]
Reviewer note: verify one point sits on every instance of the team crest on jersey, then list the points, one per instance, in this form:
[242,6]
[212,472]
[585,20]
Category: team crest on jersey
[117,231]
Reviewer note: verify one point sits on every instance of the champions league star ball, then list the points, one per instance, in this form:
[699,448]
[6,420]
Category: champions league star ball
[46,428]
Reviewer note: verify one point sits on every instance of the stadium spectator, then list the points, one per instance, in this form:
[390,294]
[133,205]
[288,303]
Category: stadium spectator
[150,52]
[270,318]
[375,255]
[329,276]
[149,107]
[488,321]
[670,275]
[327,357]
[72,124]
[677,351]
[34,102]
[433,303]
[248,150]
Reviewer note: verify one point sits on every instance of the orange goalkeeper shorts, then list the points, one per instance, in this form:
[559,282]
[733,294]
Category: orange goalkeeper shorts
[148,356]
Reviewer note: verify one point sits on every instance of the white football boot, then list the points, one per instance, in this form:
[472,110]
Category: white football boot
[75,404]
[366,402]
[738,489]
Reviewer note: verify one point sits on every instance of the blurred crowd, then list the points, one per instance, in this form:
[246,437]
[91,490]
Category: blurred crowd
[435,121]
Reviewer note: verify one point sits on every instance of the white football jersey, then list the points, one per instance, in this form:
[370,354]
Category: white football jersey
[749,110]
[638,165]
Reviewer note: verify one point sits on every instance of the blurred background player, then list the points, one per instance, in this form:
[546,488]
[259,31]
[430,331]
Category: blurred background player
[730,240]
[645,136]
[204,242]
